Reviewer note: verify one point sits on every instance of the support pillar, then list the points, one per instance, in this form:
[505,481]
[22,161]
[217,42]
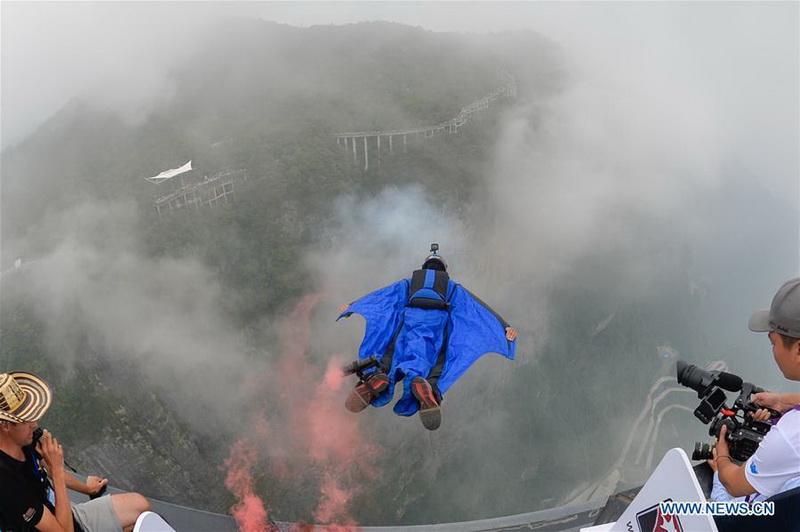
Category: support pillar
[366,154]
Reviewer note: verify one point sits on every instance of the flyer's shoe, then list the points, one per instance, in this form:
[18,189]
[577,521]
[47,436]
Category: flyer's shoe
[429,412]
[361,396]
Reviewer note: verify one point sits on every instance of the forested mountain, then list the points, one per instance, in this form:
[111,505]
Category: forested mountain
[261,97]
[266,98]
[166,334]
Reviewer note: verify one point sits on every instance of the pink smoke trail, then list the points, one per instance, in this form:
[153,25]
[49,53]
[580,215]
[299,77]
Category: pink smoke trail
[338,447]
[249,512]
[318,434]
[323,429]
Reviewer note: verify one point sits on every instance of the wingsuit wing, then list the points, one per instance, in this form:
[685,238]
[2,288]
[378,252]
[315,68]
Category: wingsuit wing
[382,311]
[476,330]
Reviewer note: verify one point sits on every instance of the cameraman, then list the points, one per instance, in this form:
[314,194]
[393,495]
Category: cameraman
[33,483]
[775,466]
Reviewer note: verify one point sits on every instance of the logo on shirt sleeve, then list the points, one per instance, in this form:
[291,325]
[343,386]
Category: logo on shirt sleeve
[753,469]
[27,516]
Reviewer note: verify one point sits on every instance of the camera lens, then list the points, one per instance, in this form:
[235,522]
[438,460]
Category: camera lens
[692,377]
[702,451]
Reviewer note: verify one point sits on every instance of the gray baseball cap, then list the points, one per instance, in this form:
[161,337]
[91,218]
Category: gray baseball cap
[784,314]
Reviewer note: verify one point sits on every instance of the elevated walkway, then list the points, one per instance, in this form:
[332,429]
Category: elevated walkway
[360,143]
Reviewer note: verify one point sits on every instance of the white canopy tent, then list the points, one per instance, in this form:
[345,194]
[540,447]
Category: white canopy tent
[166,174]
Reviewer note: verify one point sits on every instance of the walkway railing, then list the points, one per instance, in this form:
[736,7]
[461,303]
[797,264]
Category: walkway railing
[358,143]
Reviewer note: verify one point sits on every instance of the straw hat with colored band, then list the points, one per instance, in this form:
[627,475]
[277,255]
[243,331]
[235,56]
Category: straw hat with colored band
[24,397]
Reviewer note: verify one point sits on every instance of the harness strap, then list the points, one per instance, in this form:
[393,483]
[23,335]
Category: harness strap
[386,360]
[438,282]
[49,490]
[436,371]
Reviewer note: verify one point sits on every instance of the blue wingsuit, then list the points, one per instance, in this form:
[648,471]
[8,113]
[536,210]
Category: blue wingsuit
[438,341]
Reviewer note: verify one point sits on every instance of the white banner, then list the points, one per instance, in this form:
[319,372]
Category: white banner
[166,174]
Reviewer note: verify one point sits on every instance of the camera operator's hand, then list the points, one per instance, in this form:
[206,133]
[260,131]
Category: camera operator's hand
[721,450]
[762,414]
[775,401]
[731,474]
[712,462]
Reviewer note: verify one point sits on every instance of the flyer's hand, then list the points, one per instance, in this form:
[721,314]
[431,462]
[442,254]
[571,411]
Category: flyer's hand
[344,307]
[511,334]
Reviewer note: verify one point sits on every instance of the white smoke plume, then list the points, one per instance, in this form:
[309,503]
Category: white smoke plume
[97,293]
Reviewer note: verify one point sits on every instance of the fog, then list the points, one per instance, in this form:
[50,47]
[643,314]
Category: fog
[677,129]
[99,294]
[734,63]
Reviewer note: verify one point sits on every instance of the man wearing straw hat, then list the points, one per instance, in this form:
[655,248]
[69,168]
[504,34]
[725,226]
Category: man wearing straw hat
[33,482]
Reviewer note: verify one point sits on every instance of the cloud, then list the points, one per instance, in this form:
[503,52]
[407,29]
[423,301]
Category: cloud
[118,54]
[98,294]
[383,237]
[664,105]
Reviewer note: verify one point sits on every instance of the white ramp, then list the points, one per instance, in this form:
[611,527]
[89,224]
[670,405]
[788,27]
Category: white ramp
[673,480]
[151,522]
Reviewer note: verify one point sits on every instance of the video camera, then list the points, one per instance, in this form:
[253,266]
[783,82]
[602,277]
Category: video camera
[744,432]
[37,435]
[360,367]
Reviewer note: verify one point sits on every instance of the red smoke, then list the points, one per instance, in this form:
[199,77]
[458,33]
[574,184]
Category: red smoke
[249,512]
[316,435]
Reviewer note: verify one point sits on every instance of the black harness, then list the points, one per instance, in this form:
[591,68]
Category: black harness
[428,290]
